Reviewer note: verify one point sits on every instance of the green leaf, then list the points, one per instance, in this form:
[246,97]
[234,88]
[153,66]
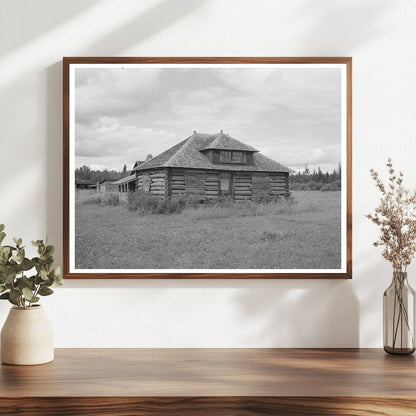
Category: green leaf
[37,243]
[13,302]
[45,291]
[4,255]
[2,288]
[27,293]
[58,281]
[9,277]
[5,250]
[49,250]
[21,255]
[15,294]
[43,274]
[24,282]
[5,295]
[2,236]
[2,227]
[26,264]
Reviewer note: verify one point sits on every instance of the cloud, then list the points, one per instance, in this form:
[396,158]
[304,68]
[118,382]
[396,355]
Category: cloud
[110,144]
[290,114]
[113,92]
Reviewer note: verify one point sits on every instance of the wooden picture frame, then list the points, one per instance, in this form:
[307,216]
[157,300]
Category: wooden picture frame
[213,146]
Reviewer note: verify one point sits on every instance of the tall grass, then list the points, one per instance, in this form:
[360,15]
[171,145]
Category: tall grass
[145,203]
[95,198]
[251,209]
[304,234]
[193,207]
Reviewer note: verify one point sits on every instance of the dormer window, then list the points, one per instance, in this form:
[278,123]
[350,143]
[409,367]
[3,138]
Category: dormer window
[222,148]
[238,157]
[230,156]
[225,156]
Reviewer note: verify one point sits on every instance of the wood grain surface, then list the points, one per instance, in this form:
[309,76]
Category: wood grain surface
[212,381]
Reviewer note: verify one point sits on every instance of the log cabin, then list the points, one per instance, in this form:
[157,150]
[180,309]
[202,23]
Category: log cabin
[210,166]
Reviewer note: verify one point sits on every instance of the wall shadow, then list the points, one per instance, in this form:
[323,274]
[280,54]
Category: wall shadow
[38,18]
[153,20]
[339,34]
[301,313]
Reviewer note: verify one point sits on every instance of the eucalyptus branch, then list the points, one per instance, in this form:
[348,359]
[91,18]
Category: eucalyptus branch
[15,286]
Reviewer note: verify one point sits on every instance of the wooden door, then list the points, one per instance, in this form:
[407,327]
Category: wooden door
[226,184]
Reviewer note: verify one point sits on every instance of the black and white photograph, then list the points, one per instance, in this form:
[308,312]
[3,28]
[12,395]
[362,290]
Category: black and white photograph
[208,168]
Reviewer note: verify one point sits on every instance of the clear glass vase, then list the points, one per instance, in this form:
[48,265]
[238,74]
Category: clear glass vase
[399,316]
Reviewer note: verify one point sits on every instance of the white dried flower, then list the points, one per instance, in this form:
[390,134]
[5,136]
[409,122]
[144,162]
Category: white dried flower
[396,217]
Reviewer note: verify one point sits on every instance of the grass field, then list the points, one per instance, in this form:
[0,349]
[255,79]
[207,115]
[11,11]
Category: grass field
[304,235]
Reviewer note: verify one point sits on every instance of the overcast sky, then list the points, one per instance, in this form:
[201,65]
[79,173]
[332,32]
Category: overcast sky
[292,115]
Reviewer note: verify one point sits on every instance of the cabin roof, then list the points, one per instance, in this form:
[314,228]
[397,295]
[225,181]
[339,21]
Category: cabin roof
[223,141]
[187,154]
[110,181]
[121,181]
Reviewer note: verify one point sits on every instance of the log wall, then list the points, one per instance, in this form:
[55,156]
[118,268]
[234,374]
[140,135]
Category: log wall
[260,185]
[175,182]
[279,184]
[154,182]
[212,180]
[195,183]
[242,186]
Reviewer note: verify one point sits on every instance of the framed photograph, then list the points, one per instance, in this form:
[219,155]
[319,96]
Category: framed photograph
[207,168]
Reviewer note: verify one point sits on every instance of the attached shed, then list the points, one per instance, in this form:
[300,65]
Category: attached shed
[107,186]
[126,185]
[209,166]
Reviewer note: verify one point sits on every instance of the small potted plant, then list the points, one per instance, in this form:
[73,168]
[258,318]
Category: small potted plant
[27,336]
[396,218]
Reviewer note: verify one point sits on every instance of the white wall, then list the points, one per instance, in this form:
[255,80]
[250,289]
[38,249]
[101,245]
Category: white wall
[380,35]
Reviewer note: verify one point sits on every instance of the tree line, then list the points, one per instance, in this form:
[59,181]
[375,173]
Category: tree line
[316,180]
[94,176]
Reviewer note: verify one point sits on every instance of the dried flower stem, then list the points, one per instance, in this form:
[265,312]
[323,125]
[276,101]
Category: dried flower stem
[396,217]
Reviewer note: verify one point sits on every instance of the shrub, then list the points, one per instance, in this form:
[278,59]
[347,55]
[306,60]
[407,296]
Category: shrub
[268,236]
[102,199]
[150,204]
[112,199]
[337,185]
[313,186]
[328,187]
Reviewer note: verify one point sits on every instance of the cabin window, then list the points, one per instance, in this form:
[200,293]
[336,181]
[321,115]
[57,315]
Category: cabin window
[215,156]
[230,156]
[238,157]
[225,156]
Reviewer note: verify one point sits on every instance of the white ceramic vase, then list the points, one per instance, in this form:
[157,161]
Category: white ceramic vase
[27,337]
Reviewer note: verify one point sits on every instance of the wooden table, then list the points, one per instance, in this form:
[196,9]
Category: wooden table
[212,382]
